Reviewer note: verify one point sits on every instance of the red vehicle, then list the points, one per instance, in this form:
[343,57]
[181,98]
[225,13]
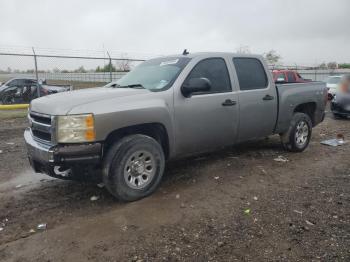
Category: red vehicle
[288,76]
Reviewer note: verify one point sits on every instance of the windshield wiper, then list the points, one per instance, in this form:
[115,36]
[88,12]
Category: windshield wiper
[135,86]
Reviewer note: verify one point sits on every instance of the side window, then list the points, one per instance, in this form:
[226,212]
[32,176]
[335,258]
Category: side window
[251,73]
[216,71]
[291,77]
[13,83]
[281,77]
[20,82]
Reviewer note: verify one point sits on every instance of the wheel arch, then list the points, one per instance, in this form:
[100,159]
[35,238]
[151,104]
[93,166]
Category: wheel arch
[308,108]
[155,130]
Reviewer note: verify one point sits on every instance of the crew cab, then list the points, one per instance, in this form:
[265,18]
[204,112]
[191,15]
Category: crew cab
[288,76]
[167,108]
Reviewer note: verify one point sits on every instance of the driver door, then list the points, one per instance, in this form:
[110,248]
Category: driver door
[209,120]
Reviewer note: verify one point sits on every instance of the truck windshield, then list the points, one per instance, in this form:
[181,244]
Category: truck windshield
[155,74]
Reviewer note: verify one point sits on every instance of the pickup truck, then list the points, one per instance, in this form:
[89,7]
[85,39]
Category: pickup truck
[167,108]
[288,76]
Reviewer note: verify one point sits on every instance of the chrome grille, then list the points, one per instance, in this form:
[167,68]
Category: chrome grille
[41,127]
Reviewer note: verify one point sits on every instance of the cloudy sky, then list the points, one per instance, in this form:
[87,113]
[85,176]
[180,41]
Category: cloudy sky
[302,32]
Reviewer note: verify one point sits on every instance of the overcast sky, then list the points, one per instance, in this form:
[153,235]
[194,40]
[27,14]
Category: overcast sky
[302,32]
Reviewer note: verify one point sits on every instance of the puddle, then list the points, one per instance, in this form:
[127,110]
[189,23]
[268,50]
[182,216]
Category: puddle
[26,179]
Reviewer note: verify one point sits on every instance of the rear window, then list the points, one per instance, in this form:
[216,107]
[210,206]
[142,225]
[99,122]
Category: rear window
[251,73]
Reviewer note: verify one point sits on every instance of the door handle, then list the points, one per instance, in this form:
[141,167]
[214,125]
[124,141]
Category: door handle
[268,97]
[229,102]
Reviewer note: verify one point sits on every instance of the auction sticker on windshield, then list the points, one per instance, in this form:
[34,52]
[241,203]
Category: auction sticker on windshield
[170,62]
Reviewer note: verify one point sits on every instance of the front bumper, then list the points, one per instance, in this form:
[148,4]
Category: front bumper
[339,109]
[42,156]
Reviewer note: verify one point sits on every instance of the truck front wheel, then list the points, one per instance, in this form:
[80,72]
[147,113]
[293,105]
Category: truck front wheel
[298,136]
[133,167]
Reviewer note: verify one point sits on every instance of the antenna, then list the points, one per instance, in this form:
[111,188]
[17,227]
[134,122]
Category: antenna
[185,52]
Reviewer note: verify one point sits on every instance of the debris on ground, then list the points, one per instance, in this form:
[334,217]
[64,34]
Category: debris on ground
[41,226]
[32,231]
[309,223]
[101,185]
[10,143]
[0,151]
[182,205]
[177,196]
[333,142]
[281,159]
[94,198]
[298,212]
[1,229]
[262,170]
[19,186]
[255,198]
[216,177]
[247,211]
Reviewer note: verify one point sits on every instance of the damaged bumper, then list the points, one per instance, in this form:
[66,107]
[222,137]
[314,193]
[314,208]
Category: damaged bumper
[43,156]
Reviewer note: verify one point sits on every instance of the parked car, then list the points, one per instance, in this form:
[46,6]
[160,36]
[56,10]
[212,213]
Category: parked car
[24,90]
[288,76]
[167,108]
[340,104]
[332,83]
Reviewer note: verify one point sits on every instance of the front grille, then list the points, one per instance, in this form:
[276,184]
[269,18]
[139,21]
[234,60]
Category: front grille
[41,127]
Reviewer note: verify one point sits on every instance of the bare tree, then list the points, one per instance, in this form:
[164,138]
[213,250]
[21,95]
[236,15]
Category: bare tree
[272,57]
[243,49]
[123,64]
[332,65]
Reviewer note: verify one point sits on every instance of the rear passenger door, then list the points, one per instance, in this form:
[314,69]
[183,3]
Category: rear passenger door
[257,99]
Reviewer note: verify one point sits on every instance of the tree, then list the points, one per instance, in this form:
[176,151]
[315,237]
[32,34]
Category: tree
[272,57]
[323,66]
[344,65]
[332,65]
[243,49]
[123,65]
[55,70]
[107,68]
[80,70]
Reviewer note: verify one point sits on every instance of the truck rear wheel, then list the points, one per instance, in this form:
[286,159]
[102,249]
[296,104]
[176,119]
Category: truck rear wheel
[298,136]
[133,167]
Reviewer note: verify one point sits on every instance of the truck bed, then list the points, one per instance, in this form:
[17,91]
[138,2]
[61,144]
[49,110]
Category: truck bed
[299,93]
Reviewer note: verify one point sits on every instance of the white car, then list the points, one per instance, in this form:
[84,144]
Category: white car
[332,84]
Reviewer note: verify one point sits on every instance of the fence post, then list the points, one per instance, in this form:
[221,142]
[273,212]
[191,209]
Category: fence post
[36,73]
[110,67]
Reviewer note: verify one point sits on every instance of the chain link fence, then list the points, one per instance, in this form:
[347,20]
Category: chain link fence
[32,73]
[36,72]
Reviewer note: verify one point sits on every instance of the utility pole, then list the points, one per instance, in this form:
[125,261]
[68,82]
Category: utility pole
[36,74]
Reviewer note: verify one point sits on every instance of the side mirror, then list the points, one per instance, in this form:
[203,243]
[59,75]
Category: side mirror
[195,85]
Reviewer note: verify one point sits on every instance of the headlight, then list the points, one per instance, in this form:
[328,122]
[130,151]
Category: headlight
[76,128]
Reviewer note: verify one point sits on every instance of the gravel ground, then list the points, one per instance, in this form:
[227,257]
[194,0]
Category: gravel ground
[233,205]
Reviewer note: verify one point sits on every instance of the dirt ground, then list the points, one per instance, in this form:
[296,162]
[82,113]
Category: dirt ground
[234,205]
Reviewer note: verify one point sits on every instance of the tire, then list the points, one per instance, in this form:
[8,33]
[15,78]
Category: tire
[298,136]
[133,167]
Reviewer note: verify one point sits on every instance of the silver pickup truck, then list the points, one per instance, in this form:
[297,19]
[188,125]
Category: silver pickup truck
[167,108]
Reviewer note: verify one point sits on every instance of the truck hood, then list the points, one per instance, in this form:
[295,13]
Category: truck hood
[63,103]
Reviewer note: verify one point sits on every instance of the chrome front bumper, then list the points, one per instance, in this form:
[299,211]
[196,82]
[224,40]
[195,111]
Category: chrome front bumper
[43,156]
[38,152]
